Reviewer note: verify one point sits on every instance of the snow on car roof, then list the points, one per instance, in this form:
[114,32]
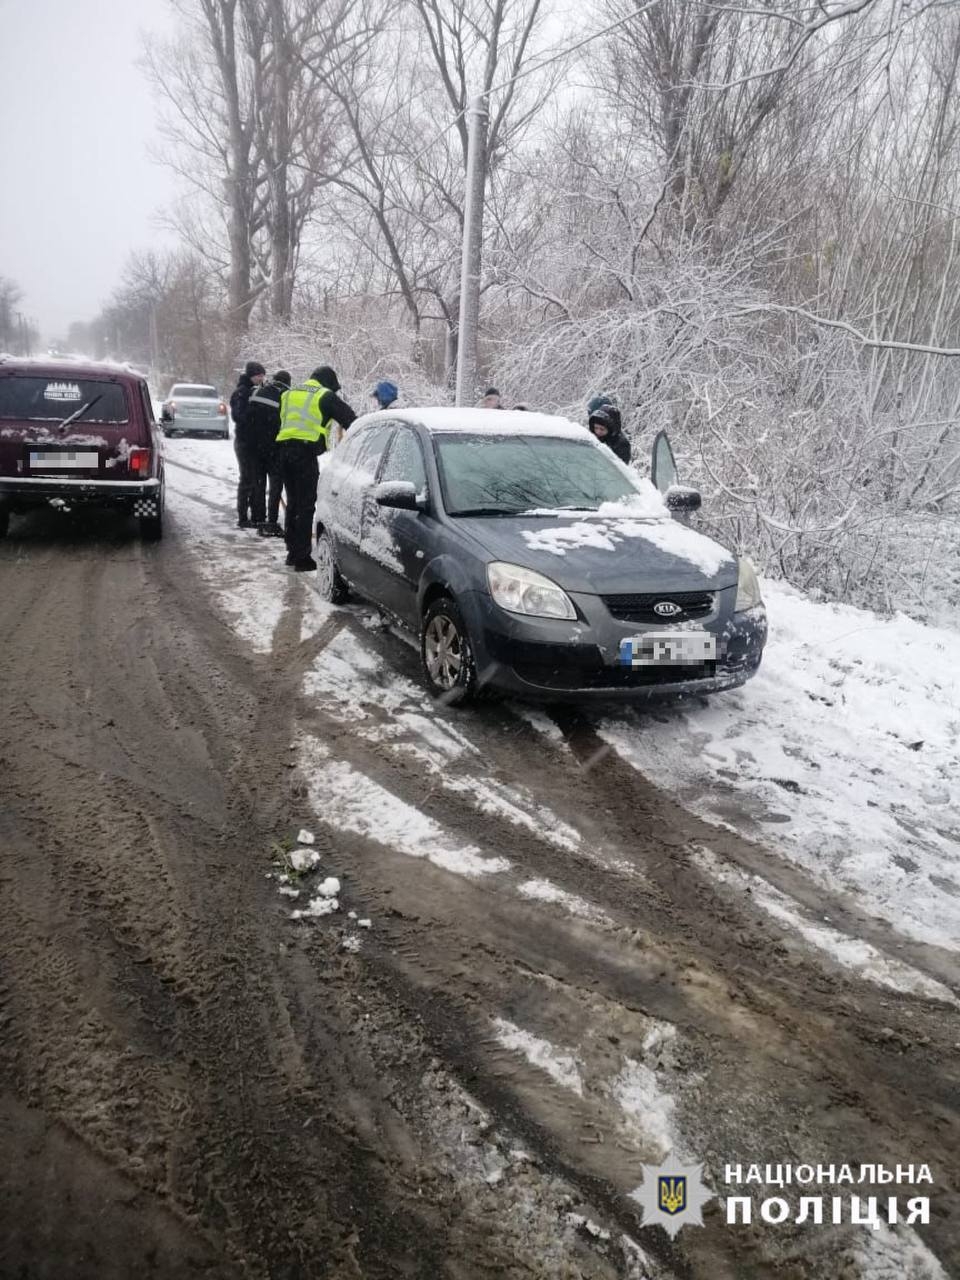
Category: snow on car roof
[509,422]
[67,367]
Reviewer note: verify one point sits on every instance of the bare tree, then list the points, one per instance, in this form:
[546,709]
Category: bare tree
[249,129]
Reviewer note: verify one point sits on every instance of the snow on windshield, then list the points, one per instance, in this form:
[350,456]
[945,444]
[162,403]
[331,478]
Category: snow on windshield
[508,474]
[607,534]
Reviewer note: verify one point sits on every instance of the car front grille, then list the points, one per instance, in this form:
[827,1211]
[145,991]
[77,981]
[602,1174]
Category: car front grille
[642,608]
[550,676]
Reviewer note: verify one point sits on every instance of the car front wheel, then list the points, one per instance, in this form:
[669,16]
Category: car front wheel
[446,653]
[4,522]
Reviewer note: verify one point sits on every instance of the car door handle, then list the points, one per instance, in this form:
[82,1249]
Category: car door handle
[334,491]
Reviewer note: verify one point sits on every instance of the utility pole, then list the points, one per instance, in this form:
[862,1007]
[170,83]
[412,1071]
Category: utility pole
[469,325]
[154,342]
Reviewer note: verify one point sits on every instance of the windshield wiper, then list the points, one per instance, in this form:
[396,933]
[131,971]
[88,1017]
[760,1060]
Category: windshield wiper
[487,511]
[79,413]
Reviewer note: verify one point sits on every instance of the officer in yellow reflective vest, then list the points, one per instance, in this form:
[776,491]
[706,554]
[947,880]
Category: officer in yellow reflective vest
[306,413]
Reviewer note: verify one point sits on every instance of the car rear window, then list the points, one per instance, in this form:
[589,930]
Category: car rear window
[194,393]
[56,399]
[511,474]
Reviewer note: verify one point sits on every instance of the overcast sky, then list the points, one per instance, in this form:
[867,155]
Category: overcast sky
[79,190]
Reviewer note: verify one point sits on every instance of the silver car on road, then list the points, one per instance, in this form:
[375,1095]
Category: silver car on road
[195,409]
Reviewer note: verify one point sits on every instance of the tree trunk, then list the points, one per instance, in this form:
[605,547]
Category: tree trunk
[221,19]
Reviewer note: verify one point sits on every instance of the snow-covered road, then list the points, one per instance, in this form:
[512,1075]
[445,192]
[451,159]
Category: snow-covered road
[516,848]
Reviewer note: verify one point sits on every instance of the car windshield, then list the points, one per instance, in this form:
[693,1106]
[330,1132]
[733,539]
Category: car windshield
[509,475]
[36,399]
[193,393]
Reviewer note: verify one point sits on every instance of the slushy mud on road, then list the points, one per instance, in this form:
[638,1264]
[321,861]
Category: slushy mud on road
[566,977]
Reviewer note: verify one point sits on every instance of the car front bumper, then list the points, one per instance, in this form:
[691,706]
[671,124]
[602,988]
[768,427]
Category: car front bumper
[546,660]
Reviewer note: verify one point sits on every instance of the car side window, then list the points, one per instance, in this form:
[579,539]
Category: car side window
[405,460]
[372,444]
[346,452]
[147,402]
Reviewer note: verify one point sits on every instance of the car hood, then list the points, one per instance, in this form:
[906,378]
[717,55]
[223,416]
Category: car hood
[597,555]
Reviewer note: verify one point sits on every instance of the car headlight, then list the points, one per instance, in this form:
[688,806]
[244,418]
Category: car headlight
[520,590]
[748,587]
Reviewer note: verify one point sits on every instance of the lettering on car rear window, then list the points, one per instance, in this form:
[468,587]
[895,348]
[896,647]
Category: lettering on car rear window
[63,392]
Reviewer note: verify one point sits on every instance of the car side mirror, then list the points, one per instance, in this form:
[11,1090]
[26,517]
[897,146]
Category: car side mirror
[682,498]
[399,495]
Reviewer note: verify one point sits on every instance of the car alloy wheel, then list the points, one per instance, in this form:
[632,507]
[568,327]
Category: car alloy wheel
[443,648]
[446,653]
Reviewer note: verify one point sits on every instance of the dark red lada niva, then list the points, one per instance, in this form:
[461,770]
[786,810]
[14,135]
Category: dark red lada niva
[75,434]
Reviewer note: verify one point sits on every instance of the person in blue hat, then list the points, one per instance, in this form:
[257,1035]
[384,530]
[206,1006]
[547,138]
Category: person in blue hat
[386,394]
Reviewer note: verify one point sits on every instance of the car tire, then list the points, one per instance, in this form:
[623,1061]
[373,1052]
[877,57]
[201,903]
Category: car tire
[331,586]
[446,653]
[4,522]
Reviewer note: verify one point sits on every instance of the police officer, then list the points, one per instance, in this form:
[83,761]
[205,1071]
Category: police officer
[263,424]
[251,378]
[306,413]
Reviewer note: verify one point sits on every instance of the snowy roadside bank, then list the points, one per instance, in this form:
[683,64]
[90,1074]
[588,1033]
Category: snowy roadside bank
[843,753]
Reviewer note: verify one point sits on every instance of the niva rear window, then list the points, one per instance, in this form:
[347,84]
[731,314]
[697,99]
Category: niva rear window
[56,399]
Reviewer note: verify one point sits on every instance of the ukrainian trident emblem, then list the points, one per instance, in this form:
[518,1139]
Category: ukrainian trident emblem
[673,1194]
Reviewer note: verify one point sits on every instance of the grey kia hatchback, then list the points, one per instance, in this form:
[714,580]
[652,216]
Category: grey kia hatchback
[527,558]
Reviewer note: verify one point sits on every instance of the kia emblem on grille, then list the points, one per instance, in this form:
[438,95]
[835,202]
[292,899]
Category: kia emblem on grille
[667,609]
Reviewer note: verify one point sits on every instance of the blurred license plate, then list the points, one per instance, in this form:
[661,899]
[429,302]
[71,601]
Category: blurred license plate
[687,648]
[64,460]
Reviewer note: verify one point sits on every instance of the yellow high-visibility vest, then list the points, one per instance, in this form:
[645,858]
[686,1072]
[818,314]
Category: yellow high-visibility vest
[301,413]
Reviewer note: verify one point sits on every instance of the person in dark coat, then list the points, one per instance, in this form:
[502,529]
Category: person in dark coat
[263,423]
[606,425]
[251,378]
